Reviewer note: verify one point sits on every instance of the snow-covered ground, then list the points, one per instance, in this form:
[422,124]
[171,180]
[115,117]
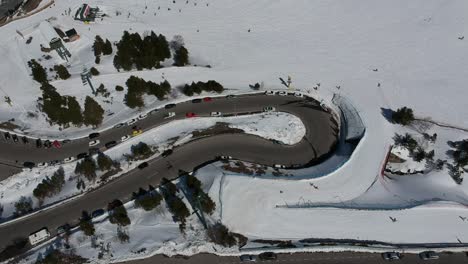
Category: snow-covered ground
[283,127]
[377,54]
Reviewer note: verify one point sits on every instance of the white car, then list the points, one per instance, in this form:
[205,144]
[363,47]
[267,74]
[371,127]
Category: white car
[269,109]
[225,157]
[142,116]
[42,165]
[131,122]
[69,159]
[119,125]
[269,92]
[169,115]
[94,143]
[153,111]
[216,114]
[298,94]
[279,166]
[282,93]
[125,138]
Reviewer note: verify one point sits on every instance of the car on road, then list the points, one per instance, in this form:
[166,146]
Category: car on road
[143,165]
[248,258]
[119,125]
[25,140]
[56,144]
[132,121]
[66,141]
[125,138]
[298,94]
[282,93]
[216,114]
[94,135]
[153,111]
[267,256]
[269,92]
[279,166]
[54,162]
[29,164]
[167,153]
[268,109]
[94,143]
[14,137]
[190,115]
[82,155]
[63,229]
[230,96]
[169,106]
[39,236]
[225,157]
[196,100]
[207,99]
[391,256]
[47,144]
[142,116]
[428,255]
[7,135]
[111,144]
[136,132]
[69,159]
[42,165]
[169,115]
[38,143]
[97,213]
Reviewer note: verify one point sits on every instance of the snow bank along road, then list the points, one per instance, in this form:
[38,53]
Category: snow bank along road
[318,141]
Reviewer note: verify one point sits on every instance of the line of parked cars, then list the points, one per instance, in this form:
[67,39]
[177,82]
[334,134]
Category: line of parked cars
[284,93]
[265,256]
[426,255]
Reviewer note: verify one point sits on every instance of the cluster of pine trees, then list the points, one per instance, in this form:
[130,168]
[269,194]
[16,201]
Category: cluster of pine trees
[194,185]
[101,48]
[198,87]
[88,167]
[50,186]
[148,200]
[175,204]
[138,86]
[143,53]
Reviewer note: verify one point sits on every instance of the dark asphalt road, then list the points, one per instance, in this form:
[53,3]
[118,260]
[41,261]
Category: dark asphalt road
[318,141]
[308,258]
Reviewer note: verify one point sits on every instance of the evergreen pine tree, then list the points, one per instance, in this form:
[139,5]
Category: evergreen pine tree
[93,113]
[181,57]
[107,48]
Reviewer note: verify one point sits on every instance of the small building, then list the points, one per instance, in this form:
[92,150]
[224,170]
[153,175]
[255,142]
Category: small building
[39,236]
[71,35]
[86,13]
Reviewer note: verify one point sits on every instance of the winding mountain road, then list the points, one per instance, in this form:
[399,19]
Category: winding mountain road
[320,137]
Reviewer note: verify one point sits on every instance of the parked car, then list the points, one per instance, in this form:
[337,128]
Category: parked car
[47,144]
[279,166]
[248,258]
[142,116]
[25,140]
[225,157]
[131,122]
[94,143]
[298,94]
[66,141]
[7,135]
[153,111]
[29,164]
[39,236]
[56,144]
[269,109]
[38,143]
[269,92]
[197,100]
[169,115]
[69,159]
[428,255]
[97,213]
[125,138]
[111,144]
[94,135]
[282,93]
[391,256]
[42,165]
[63,229]
[169,106]
[14,137]
[207,99]
[230,96]
[267,256]
[190,115]
[216,114]
[119,125]
[82,155]
[54,162]
[136,132]
[167,153]
[143,165]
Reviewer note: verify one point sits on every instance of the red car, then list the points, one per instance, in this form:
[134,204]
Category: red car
[190,114]
[207,99]
[56,144]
